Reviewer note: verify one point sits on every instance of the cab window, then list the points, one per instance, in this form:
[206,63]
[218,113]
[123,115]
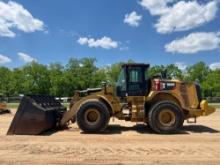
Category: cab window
[135,75]
[121,80]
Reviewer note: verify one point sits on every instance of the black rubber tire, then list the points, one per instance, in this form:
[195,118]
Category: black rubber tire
[153,117]
[148,125]
[181,125]
[103,120]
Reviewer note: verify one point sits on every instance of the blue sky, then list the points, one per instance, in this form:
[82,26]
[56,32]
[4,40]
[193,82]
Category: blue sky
[162,32]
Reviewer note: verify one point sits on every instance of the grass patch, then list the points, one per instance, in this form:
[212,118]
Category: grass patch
[12,105]
[216,105]
[15,105]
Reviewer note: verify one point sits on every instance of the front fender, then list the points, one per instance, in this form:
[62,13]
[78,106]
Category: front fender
[74,109]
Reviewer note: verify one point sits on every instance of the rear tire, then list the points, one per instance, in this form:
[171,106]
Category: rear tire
[165,117]
[93,117]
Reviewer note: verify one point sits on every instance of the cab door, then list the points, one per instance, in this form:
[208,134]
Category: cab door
[136,84]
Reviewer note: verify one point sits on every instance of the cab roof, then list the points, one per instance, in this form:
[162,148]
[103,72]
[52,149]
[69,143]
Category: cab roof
[136,64]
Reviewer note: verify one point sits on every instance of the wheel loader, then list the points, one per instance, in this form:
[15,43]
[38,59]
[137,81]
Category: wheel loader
[157,101]
[3,109]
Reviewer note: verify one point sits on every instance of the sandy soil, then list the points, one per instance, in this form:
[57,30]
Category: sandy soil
[123,143]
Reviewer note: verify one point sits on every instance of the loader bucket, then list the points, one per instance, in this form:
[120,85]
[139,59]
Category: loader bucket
[35,115]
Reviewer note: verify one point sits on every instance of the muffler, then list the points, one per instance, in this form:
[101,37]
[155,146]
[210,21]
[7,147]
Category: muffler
[36,114]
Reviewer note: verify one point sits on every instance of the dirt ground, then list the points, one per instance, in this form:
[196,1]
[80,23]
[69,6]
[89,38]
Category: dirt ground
[122,143]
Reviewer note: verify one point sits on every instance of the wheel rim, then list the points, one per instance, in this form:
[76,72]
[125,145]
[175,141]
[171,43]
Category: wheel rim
[167,118]
[92,116]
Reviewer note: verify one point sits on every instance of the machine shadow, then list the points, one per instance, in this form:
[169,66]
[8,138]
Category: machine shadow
[199,129]
[144,129]
[118,129]
[55,130]
[140,128]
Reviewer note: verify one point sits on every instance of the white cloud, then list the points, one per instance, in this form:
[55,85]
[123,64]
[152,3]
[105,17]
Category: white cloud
[156,7]
[186,15]
[124,48]
[180,16]
[26,58]
[214,66]
[83,40]
[133,19]
[181,65]
[4,59]
[15,16]
[104,42]
[194,43]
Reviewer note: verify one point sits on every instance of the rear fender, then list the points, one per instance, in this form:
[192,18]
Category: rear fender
[160,96]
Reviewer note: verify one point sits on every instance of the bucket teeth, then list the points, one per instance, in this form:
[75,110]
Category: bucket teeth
[35,115]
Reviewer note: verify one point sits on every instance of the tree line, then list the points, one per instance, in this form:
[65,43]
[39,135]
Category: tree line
[78,74]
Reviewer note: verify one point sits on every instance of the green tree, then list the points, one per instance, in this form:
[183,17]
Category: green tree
[36,79]
[172,71]
[57,80]
[72,76]
[17,82]
[82,74]
[88,73]
[112,73]
[6,78]
[156,70]
[197,72]
[100,76]
[211,86]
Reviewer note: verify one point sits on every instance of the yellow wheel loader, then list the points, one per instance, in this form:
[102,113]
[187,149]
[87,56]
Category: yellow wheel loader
[161,103]
[3,109]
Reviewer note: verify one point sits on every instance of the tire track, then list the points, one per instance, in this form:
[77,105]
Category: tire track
[76,150]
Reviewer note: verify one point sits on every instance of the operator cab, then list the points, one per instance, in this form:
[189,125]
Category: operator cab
[133,80]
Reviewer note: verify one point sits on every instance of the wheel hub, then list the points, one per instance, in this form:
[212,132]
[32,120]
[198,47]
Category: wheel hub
[92,116]
[167,117]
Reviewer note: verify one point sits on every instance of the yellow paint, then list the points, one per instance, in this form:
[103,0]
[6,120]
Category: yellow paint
[184,95]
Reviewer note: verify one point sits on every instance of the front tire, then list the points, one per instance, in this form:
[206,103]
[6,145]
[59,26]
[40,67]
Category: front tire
[93,117]
[165,117]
